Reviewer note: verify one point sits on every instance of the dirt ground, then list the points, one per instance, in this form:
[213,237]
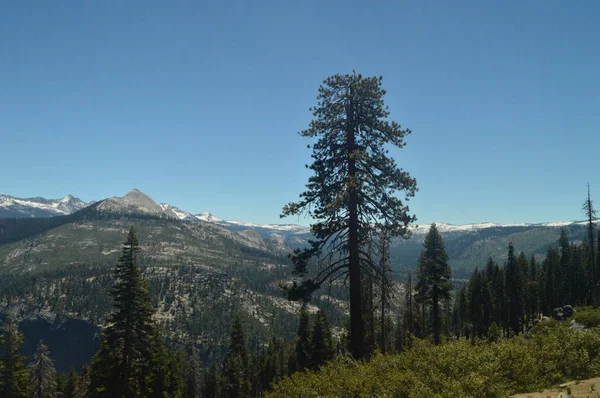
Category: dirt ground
[584,388]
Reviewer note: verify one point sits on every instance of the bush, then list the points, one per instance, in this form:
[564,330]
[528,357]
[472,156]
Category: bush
[458,369]
[588,316]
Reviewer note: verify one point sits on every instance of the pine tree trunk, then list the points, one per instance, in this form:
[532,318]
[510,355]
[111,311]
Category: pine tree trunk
[383,282]
[356,324]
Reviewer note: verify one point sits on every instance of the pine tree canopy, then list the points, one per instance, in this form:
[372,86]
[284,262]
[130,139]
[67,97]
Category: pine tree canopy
[122,364]
[42,375]
[434,274]
[13,375]
[353,191]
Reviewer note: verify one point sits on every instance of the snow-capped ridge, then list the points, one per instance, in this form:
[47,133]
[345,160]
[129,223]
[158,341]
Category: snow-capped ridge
[445,227]
[11,206]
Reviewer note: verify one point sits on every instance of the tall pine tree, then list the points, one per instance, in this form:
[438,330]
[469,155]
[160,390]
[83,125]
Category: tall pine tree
[352,191]
[434,274]
[13,375]
[236,370]
[42,376]
[120,368]
[321,341]
[192,372]
[514,290]
[303,346]
[590,214]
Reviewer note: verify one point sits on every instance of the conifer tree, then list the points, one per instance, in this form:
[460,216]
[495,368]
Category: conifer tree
[533,288]
[70,390]
[408,318]
[192,371]
[42,375]
[165,373]
[590,214]
[475,299]
[551,265]
[321,341]
[83,384]
[13,375]
[514,290]
[271,364]
[352,191]
[211,382]
[303,346]
[461,311]
[120,368]
[434,274]
[236,366]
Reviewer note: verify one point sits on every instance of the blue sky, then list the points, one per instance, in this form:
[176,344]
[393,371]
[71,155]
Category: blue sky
[198,103]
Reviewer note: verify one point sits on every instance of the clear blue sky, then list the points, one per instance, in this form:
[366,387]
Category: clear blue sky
[198,103]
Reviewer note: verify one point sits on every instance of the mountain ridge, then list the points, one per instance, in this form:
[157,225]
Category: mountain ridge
[136,200]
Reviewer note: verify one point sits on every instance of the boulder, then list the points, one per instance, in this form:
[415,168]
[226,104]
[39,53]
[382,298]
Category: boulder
[568,311]
[576,325]
[558,314]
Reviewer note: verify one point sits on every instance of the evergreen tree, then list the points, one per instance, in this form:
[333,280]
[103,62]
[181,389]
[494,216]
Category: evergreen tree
[83,384]
[533,287]
[351,193]
[271,364]
[408,318]
[565,273]
[321,341]
[70,390]
[590,214]
[551,269]
[303,343]
[461,311]
[523,266]
[120,368]
[13,375]
[42,376]
[165,374]
[236,366]
[211,382]
[514,290]
[475,308]
[192,371]
[434,274]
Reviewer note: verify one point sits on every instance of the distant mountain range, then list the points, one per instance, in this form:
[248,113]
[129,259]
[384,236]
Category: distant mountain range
[134,201]
[468,245]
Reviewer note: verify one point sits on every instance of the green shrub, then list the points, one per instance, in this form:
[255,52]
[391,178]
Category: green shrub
[458,369]
[588,316]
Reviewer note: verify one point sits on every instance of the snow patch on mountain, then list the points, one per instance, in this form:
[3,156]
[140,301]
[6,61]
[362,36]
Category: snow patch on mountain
[208,217]
[177,212]
[11,206]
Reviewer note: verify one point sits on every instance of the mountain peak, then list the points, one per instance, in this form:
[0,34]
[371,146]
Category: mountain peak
[138,198]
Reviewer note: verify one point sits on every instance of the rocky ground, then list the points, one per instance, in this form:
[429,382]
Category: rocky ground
[574,389]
